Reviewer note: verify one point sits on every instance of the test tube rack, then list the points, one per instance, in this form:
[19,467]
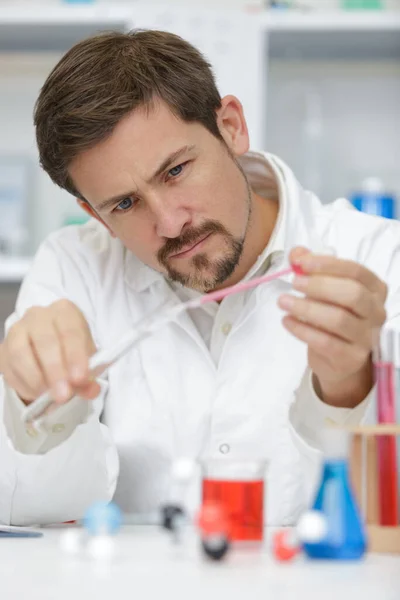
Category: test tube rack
[364,477]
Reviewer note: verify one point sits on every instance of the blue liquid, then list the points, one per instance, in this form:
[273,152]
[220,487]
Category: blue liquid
[375,204]
[345,538]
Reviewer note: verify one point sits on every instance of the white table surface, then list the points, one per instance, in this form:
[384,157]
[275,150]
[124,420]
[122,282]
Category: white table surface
[148,567]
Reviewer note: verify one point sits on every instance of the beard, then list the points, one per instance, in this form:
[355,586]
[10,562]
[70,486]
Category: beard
[205,274]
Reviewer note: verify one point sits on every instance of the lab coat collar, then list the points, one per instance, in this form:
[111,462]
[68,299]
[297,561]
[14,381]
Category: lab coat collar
[293,228]
[296,218]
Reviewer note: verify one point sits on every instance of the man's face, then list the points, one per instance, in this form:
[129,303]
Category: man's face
[172,193]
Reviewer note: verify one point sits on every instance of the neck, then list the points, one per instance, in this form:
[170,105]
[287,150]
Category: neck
[261,225]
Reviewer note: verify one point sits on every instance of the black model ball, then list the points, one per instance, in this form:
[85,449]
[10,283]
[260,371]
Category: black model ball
[215,546]
[172,516]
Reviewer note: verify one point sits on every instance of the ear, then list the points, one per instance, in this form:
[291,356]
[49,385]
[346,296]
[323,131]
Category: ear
[232,125]
[92,213]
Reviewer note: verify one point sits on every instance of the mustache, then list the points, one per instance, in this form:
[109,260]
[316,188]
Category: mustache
[189,237]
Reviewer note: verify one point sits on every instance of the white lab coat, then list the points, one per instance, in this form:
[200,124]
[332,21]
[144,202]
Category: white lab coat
[167,398]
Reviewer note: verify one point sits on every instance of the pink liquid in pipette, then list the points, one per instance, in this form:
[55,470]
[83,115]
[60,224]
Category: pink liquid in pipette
[247,285]
[387,454]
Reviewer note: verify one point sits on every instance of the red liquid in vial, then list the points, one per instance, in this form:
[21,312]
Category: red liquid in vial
[387,456]
[242,502]
[387,475]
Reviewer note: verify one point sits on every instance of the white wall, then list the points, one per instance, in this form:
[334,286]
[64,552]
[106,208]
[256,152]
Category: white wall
[360,122]
[8,294]
[20,80]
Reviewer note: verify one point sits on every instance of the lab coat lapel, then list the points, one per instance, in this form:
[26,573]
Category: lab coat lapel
[297,230]
[154,291]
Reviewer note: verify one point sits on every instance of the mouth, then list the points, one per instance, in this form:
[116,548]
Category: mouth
[191,249]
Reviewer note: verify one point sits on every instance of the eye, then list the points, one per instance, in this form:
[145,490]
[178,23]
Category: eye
[175,171]
[124,205]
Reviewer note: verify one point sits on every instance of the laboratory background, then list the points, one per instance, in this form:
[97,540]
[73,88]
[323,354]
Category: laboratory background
[319,81]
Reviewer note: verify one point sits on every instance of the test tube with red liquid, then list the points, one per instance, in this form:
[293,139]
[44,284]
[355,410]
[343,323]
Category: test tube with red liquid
[397,409]
[386,413]
[238,488]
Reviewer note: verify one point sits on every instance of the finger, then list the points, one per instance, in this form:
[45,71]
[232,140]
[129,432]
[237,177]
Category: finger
[47,349]
[326,344]
[22,365]
[89,391]
[2,357]
[347,293]
[326,317]
[346,269]
[20,386]
[76,343]
[320,341]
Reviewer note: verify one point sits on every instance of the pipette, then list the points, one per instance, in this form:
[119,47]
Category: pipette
[103,359]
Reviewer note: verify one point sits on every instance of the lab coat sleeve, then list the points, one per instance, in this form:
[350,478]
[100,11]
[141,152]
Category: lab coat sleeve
[54,477]
[309,415]
[59,484]
[56,427]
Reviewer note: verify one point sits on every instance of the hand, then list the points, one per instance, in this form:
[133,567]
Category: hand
[49,349]
[338,319]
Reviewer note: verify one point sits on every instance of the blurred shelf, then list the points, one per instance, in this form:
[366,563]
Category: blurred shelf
[331,20]
[56,28]
[333,35]
[13,270]
[292,35]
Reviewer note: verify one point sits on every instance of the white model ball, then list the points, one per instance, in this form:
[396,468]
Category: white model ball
[101,547]
[183,469]
[71,541]
[312,527]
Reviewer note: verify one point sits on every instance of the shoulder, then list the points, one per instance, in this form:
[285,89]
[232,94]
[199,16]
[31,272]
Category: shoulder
[76,262]
[370,240]
[90,241]
[359,236]
[92,254]
[82,251]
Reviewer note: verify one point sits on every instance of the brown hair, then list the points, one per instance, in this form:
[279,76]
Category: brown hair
[102,79]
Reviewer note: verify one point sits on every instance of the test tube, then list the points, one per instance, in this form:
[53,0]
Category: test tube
[397,408]
[387,455]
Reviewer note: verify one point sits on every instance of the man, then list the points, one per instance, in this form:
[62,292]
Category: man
[133,126]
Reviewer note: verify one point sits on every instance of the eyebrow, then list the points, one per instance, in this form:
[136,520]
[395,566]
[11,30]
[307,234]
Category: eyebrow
[171,158]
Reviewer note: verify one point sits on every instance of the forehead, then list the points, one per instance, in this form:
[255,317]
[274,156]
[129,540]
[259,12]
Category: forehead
[138,144]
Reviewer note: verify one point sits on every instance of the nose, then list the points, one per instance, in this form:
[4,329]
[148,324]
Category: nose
[169,217]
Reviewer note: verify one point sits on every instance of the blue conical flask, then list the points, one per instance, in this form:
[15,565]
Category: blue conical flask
[344,538]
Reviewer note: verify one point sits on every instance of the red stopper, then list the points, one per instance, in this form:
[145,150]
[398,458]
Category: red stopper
[282,549]
[297,269]
[212,520]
